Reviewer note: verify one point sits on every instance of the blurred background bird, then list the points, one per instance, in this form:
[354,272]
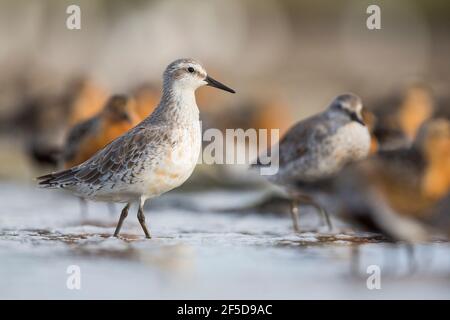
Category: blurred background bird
[370,120]
[46,111]
[118,115]
[400,115]
[396,192]
[439,220]
[317,148]
[87,137]
[88,100]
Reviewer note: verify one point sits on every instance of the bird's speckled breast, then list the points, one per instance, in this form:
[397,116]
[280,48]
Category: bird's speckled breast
[177,163]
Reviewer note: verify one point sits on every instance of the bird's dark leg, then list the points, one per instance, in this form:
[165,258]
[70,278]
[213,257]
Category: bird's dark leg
[411,259]
[123,215]
[141,218]
[294,215]
[326,217]
[355,258]
[83,208]
[320,209]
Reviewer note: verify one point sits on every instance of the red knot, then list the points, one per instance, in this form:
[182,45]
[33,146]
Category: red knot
[317,148]
[156,156]
[401,193]
[89,136]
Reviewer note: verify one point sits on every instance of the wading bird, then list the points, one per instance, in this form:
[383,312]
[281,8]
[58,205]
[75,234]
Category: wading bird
[154,157]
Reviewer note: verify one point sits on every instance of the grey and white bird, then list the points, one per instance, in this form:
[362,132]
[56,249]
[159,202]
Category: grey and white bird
[156,156]
[317,148]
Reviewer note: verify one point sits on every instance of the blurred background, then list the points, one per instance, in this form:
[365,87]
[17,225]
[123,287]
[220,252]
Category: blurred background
[287,59]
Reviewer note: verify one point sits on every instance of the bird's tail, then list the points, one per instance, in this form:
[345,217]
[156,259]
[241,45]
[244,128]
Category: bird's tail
[60,179]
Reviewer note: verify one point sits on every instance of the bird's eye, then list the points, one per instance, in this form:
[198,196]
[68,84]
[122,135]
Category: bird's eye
[191,70]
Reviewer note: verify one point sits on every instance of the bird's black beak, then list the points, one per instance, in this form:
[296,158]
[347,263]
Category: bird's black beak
[216,84]
[356,118]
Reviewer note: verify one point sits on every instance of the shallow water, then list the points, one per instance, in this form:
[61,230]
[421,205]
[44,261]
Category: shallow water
[197,251]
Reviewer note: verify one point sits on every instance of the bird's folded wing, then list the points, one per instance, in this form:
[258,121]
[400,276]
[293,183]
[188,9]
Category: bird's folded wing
[301,138]
[124,155]
[120,159]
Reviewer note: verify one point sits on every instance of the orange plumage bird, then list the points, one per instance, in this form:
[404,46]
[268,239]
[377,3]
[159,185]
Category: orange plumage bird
[396,192]
[370,120]
[86,138]
[399,117]
[87,101]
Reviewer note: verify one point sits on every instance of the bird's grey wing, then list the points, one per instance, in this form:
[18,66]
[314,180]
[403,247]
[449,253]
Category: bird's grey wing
[302,138]
[119,160]
[122,159]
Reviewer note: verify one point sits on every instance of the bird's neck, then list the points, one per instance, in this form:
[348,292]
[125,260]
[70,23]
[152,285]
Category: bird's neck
[178,105]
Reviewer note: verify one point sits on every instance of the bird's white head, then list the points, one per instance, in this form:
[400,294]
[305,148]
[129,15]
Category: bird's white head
[189,74]
[350,105]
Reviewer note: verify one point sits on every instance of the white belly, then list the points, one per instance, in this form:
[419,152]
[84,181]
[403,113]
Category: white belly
[353,140]
[350,143]
[177,164]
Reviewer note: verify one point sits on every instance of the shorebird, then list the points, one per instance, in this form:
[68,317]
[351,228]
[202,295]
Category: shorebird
[317,148]
[87,99]
[400,116]
[440,220]
[46,115]
[370,120]
[403,194]
[397,192]
[89,136]
[154,157]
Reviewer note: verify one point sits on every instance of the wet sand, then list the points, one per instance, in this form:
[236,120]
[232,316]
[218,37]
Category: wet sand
[197,253]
